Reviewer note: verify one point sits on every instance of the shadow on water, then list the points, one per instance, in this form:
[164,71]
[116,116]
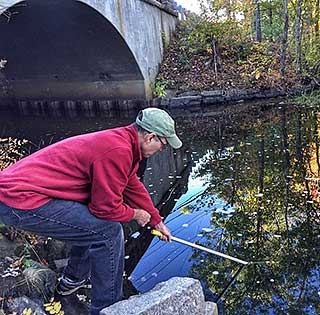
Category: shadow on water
[252,192]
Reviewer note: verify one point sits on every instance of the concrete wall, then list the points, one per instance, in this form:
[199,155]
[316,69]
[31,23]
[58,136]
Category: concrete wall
[86,49]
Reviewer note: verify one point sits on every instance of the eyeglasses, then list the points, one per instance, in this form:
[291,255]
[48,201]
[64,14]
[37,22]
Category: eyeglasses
[163,144]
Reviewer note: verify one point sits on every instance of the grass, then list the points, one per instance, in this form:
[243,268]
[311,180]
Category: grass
[311,100]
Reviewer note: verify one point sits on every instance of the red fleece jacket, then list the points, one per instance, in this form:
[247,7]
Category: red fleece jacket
[97,169]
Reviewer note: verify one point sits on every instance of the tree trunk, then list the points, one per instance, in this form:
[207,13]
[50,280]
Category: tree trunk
[258,22]
[317,20]
[214,55]
[298,37]
[228,9]
[284,37]
[234,5]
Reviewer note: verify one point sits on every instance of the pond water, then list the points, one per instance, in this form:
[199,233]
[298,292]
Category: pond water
[252,193]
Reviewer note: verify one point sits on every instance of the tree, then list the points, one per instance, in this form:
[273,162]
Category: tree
[317,19]
[258,22]
[284,37]
[298,37]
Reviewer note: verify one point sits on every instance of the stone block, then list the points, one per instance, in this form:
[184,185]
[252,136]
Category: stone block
[213,100]
[165,102]
[185,101]
[183,296]
[189,93]
[211,309]
[212,93]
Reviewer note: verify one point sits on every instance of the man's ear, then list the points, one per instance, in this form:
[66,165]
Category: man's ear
[149,136]
[146,137]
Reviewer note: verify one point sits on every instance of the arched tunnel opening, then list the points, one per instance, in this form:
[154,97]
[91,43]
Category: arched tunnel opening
[62,49]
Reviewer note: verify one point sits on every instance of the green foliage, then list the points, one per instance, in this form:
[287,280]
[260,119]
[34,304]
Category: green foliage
[259,59]
[160,89]
[271,27]
[162,85]
[228,33]
[26,256]
[312,58]
[186,46]
[311,100]
[26,262]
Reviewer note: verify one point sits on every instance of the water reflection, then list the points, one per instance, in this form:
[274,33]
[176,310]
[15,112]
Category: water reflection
[260,173]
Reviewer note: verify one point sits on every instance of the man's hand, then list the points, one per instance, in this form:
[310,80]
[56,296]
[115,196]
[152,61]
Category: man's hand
[161,227]
[141,216]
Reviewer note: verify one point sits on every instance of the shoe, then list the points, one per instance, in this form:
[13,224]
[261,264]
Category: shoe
[67,286]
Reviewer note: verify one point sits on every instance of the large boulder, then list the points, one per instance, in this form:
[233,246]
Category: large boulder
[36,282]
[183,296]
[18,305]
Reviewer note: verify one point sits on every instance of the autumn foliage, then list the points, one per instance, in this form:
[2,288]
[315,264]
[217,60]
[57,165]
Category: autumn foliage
[240,62]
[245,44]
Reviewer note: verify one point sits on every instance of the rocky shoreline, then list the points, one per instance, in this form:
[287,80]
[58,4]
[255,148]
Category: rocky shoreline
[224,97]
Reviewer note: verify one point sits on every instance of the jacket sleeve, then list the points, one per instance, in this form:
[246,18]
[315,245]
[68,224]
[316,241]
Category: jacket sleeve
[109,177]
[137,196]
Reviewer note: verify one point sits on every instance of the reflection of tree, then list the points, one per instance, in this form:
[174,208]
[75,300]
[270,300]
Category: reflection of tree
[267,174]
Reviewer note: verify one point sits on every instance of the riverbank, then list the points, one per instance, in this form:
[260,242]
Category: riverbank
[225,97]
[208,57]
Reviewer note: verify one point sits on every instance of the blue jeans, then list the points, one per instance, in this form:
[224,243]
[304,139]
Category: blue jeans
[97,245]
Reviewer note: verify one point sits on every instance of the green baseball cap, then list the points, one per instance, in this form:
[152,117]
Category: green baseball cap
[159,121]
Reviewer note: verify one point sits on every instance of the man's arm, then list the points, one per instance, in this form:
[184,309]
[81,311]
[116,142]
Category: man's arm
[137,196]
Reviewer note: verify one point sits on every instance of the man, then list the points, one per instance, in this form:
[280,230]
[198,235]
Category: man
[79,189]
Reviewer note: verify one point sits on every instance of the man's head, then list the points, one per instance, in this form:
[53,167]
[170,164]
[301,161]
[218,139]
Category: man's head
[160,130]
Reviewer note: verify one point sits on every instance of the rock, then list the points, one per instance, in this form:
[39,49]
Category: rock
[49,250]
[188,93]
[8,260]
[185,101]
[36,282]
[61,263]
[212,93]
[156,102]
[181,296]
[19,304]
[170,93]
[164,102]
[211,308]
[40,282]
[195,99]
[7,247]
[214,100]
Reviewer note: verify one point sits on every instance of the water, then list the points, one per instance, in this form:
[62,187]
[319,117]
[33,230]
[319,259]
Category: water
[253,193]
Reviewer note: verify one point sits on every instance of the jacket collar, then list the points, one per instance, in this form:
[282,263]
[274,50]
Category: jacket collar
[136,149]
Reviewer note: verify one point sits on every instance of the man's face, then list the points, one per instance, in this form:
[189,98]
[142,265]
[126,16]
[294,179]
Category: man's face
[151,144]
